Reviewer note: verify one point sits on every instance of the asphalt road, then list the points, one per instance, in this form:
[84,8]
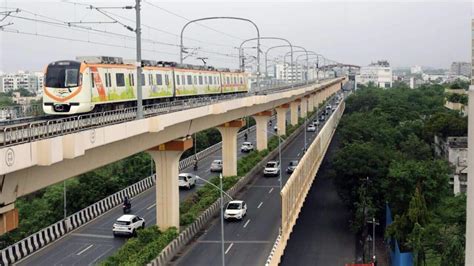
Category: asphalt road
[247,242]
[94,241]
[322,235]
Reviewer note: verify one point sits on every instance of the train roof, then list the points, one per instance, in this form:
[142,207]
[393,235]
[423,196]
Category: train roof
[147,63]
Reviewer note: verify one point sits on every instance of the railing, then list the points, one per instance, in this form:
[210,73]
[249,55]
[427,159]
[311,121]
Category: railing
[24,133]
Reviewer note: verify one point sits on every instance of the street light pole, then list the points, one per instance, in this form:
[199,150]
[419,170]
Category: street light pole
[139,61]
[268,38]
[181,50]
[222,221]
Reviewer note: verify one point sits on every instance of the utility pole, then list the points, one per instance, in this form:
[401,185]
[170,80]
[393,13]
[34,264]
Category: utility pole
[139,61]
[222,220]
[374,223]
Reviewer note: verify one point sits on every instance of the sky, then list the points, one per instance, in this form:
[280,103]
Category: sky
[405,33]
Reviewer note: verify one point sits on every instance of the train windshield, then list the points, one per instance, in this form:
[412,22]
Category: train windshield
[63,74]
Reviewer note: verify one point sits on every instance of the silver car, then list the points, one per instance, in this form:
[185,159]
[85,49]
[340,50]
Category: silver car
[216,166]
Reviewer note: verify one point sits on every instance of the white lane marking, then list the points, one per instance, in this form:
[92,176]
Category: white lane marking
[92,235]
[260,205]
[230,246]
[84,250]
[271,189]
[151,206]
[246,223]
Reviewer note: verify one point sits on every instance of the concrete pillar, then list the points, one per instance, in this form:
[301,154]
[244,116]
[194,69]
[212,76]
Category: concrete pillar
[229,132]
[281,119]
[304,107]
[166,157]
[294,112]
[311,103]
[261,120]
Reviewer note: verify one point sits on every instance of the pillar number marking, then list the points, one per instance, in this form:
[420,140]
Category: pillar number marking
[10,157]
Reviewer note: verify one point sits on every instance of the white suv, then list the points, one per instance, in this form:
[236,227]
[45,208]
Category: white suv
[236,209]
[187,180]
[272,168]
[246,147]
[128,224]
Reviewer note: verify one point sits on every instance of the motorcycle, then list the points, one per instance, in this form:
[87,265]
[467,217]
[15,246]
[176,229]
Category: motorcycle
[127,208]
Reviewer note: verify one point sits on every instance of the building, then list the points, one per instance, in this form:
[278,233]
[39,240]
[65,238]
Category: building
[22,80]
[454,149]
[379,73]
[461,68]
[414,70]
[296,72]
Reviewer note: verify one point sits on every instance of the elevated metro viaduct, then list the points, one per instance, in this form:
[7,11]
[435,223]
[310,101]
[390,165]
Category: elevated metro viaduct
[28,167]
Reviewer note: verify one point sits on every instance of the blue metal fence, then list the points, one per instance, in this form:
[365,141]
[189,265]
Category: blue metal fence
[397,258]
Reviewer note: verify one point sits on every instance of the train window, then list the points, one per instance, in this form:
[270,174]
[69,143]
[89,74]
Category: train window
[107,80]
[120,79]
[210,80]
[177,80]
[190,79]
[235,80]
[167,80]
[150,79]
[200,80]
[228,80]
[183,80]
[195,80]
[71,77]
[241,81]
[159,79]
[92,80]
[216,80]
[142,79]
[205,80]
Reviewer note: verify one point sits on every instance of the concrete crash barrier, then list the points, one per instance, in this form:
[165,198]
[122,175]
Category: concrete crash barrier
[48,235]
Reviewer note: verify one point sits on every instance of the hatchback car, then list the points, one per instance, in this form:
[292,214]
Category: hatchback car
[216,166]
[247,147]
[272,168]
[128,224]
[322,118]
[236,209]
[187,180]
[292,166]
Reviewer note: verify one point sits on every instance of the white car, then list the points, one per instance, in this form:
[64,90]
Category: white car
[128,224]
[328,107]
[187,180]
[236,209]
[311,128]
[275,128]
[316,123]
[272,168]
[216,166]
[246,147]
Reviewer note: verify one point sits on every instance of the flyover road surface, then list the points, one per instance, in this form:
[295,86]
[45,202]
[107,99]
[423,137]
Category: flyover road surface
[94,241]
[322,234]
[249,241]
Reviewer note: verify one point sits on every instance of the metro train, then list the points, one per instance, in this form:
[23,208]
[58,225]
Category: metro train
[101,83]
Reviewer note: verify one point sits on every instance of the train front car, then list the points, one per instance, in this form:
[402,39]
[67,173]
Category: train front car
[65,92]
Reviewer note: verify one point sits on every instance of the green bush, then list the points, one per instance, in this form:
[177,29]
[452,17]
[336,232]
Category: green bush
[142,249]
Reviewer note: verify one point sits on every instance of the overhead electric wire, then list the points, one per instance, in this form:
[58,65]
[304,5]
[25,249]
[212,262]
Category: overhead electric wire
[65,24]
[15,31]
[152,27]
